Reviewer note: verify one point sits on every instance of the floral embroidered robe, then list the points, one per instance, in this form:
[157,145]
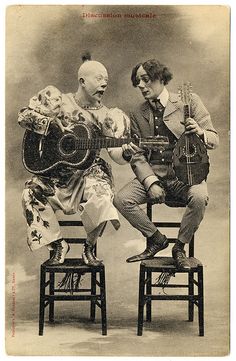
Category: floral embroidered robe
[89,191]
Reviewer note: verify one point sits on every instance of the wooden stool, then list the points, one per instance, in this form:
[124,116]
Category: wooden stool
[166,265]
[49,292]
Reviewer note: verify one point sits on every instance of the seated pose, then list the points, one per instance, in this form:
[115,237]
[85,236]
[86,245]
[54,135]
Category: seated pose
[162,114]
[65,187]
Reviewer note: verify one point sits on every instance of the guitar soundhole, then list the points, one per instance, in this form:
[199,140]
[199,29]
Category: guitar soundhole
[67,145]
[191,152]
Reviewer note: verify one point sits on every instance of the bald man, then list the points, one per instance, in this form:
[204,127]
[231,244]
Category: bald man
[90,191]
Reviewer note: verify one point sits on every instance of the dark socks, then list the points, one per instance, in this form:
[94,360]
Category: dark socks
[157,237]
[179,245]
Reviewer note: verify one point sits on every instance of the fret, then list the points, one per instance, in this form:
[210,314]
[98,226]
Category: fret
[186,111]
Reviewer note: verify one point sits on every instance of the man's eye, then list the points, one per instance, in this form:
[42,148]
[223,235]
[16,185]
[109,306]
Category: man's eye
[146,79]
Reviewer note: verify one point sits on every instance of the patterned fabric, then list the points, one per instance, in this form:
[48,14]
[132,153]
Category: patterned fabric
[89,192]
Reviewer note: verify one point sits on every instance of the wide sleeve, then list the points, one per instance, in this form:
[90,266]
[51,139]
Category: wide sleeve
[43,108]
[117,125]
[201,115]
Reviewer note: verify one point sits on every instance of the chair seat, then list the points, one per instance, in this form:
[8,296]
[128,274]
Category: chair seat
[164,264]
[71,264]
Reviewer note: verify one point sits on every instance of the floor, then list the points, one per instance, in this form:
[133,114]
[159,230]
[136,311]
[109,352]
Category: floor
[169,334]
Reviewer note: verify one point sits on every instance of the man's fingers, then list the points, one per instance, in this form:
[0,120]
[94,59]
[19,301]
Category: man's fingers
[191,126]
[134,147]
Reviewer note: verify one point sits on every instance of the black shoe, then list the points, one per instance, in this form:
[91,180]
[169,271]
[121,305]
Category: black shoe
[180,258]
[61,248]
[153,247]
[89,257]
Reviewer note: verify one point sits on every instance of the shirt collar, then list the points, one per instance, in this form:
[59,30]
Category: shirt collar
[164,97]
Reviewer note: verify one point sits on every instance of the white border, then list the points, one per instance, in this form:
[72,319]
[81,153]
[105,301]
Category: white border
[3,5]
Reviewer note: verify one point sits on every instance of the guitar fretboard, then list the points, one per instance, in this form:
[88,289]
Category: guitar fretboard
[186,111]
[98,143]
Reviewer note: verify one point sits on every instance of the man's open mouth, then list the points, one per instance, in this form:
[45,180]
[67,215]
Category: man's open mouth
[99,92]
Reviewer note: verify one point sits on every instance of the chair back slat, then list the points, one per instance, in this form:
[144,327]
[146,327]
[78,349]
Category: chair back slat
[77,240]
[170,225]
[71,223]
[74,240]
[167,224]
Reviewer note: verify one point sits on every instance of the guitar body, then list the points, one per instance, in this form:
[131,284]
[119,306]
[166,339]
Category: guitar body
[191,165]
[42,155]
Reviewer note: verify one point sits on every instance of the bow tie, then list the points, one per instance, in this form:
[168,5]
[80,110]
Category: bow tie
[157,104]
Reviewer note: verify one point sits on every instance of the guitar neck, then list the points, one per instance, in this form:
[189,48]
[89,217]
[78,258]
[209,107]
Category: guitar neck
[99,143]
[186,111]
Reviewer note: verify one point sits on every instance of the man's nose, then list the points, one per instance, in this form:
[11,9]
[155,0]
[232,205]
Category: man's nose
[104,85]
[141,85]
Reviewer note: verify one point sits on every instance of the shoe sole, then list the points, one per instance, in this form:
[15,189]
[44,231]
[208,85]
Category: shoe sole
[86,262]
[148,257]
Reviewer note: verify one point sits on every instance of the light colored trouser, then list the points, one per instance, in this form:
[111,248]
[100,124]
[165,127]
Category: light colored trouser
[95,210]
[128,199]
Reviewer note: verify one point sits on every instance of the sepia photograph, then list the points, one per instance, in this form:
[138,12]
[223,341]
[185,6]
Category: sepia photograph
[117,176]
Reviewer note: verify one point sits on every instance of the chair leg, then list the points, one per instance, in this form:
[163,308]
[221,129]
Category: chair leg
[190,293]
[141,300]
[93,292]
[51,292]
[200,302]
[149,292]
[42,300]
[103,301]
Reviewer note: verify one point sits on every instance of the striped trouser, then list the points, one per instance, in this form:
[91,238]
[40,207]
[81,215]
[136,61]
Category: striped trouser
[132,195]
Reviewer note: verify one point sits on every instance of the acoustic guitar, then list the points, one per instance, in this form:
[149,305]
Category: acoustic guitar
[77,149]
[190,159]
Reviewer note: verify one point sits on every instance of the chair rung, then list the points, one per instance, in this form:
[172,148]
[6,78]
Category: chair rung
[72,297]
[68,290]
[172,240]
[75,240]
[167,224]
[195,282]
[171,297]
[71,223]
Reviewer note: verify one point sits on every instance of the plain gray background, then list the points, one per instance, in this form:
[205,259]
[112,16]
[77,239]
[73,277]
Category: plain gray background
[44,46]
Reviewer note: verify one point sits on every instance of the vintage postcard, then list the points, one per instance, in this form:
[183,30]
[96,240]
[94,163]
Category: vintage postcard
[98,89]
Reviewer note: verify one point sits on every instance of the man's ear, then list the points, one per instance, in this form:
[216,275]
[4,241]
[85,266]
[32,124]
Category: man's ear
[81,81]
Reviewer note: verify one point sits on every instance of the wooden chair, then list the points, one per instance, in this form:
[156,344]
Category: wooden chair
[50,292]
[165,266]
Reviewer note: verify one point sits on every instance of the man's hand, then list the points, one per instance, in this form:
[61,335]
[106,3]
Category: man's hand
[191,127]
[130,149]
[156,193]
[67,128]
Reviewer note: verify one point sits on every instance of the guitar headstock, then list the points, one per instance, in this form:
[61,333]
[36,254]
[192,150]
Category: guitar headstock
[185,92]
